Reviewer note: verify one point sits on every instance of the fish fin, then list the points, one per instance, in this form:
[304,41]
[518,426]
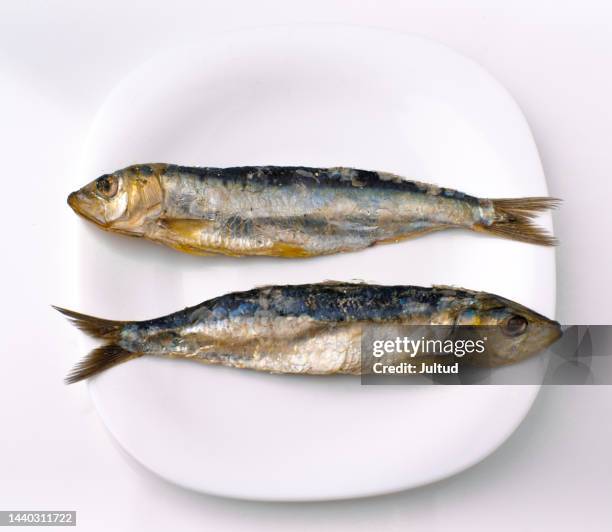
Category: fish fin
[103,357]
[94,327]
[183,234]
[452,287]
[98,360]
[410,234]
[283,249]
[513,220]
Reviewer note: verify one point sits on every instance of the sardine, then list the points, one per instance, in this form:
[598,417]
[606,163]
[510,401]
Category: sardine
[291,211]
[312,329]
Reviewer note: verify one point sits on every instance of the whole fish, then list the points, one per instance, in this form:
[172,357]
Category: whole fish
[311,329]
[291,211]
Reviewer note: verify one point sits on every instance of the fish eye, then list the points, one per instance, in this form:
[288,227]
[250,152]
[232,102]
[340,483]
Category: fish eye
[107,186]
[515,325]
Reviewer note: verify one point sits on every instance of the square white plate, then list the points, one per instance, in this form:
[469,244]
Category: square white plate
[316,96]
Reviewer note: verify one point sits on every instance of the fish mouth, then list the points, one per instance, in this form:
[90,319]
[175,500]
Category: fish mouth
[557,332]
[551,331]
[78,202]
[73,201]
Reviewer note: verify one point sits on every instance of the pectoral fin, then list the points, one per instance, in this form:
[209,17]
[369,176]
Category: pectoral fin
[183,235]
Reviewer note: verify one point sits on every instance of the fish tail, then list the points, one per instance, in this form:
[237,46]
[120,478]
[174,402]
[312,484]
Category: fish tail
[103,357]
[99,360]
[512,218]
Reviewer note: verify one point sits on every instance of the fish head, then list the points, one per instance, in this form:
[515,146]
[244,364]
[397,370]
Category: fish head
[122,201]
[511,332]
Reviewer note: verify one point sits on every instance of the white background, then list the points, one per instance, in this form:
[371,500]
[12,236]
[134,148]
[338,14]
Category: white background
[58,62]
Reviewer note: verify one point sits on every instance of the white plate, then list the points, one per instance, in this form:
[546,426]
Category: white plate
[318,96]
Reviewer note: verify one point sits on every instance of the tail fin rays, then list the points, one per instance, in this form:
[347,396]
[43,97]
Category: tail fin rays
[513,220]
[99,360]
[103,357]
[94,327]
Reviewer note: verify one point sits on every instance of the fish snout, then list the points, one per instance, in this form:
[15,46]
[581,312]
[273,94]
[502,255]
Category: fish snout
[78,203]
[546,334]
[555,332]
[82,204]
[73,200]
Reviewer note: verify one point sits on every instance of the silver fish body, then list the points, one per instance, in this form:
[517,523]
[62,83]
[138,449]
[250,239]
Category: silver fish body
[311,329]
[308,211]
[290,211]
